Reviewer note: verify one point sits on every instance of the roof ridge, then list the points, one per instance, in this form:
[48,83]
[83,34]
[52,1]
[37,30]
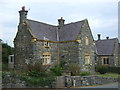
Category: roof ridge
[41,22]
[56,25]
[74,22]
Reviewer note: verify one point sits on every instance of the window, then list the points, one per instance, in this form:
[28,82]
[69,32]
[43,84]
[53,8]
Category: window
[105,60]
[46,44]
[11,58]
[87,40]
[46,58]
[87,59]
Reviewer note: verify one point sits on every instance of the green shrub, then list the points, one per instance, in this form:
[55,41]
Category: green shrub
[114,70]
[85,73]
[102,69]
[62,63]
[37,74]
[57,70]
[37,81]
[75,69]
[4,67]
[108,69]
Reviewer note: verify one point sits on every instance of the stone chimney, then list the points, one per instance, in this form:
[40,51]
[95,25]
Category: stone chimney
[23,14]
[107,37]
[99,36]
[61,22]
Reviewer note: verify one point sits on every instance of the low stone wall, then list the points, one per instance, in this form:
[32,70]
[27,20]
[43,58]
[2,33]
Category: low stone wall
[11,81]
[75,81]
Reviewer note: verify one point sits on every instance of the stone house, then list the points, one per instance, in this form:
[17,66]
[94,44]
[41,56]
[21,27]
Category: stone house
[107,51]
[49,44]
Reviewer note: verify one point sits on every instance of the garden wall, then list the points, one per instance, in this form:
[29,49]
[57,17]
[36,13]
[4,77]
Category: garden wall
[77,81]
[61,81]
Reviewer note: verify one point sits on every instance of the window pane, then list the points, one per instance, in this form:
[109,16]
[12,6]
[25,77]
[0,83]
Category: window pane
[107,60]
[87,59]
[46,59]
[104,61]
[87,40]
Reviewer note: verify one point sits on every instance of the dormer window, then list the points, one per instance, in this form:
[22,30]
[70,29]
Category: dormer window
[46,43]
[86,40]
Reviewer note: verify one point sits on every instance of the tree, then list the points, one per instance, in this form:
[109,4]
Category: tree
[6,51]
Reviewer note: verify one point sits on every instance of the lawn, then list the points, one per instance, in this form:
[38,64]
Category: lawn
[112,75]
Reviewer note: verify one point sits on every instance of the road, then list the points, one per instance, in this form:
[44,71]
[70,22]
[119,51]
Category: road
[111,85]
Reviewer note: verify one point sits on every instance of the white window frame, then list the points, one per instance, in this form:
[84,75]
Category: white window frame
[46,43]
[11,59]
[104,61]
[46,59]
[87,59]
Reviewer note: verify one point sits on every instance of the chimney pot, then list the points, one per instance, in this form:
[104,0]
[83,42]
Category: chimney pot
[107,37]
[23,8]
[99,36]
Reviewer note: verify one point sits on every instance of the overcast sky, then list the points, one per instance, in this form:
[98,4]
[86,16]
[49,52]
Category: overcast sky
[102,15]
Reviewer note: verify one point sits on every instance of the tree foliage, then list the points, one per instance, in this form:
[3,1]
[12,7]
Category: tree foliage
[6,51]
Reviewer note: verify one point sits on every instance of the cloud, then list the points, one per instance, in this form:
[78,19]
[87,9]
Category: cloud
[101,14]
[73,1]
[103,23]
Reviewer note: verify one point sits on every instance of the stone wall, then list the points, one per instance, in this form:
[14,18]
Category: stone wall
[77,81]
[69,52]
[23,48]
[83,48]
[39,49]
[12,81]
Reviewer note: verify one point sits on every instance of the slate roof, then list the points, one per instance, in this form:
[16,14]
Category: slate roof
[66,33]
[105,47]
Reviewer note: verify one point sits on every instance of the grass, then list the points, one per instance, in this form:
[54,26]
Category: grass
[112,75]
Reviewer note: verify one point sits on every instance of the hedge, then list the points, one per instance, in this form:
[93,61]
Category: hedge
[106,69]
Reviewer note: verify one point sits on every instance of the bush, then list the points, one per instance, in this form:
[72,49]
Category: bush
[85,74]
[57,70]
[114,70]
[37,74]
[75,69]
[4,67]
[37,81]
[37,67]
[62,63]
[102,69]
[108,69]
